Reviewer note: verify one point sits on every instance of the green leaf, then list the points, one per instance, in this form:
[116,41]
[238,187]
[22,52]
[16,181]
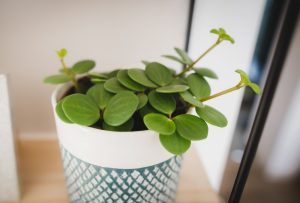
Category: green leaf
[164,103]
[98,80]
[139,76]
[159,74]
[222,34]
[113,73]
[81,109]
[189,98]
[60,112]
[172,89]
[126,81]
[159,123]
[127,126]
[179,81]
[120,108]
[206,72]
[215,31]
[114,86]
[98,75]
[145,62]
[212,116]
[184,56]
[62,53]
[174,143]
[83,66]
[143,99]
[99,95]
[246,81]
[57,79]
[174,58]
[191,127]
[255,88]
[198,85]
[146,110]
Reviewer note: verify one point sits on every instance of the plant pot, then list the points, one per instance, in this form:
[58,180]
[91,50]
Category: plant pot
[107,166]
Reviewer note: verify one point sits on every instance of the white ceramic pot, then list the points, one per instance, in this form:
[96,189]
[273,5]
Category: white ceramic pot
[107,166]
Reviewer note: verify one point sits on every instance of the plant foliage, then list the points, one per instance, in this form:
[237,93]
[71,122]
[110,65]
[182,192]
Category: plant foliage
[154,97]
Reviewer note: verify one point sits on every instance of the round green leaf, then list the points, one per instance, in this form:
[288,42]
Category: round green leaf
[125,80]
[143,99]
[212,116]
[158,73]
[174,143]
[189,98]
[81,109]
[172,89]
[191,127]
[127,126]
[57,79]
[139,76]
[164,103]
[159,123]
[83,66]
[198,85]
[114,86]
[61,114]
[206,72]
[99,95]
[120,108]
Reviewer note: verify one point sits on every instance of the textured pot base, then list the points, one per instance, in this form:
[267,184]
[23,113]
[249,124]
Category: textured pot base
[90,183]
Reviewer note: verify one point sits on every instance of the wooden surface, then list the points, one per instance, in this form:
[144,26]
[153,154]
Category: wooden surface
[43,181]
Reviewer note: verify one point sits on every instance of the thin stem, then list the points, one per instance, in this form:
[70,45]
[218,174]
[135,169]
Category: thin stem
[71,75]
[189,67]
[236,87]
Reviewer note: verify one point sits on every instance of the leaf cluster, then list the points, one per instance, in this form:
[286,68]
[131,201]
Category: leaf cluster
[154,97]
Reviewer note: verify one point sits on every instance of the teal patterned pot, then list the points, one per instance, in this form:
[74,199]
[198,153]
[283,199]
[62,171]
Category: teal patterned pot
[107,166]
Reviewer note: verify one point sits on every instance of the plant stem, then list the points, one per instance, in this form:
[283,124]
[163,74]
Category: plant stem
[189,67]
[71,75]
[236,87]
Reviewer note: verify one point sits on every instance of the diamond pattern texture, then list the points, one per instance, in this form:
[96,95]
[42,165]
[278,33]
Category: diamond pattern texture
[90,183]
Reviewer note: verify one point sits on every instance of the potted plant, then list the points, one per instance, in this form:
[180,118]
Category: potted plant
[122,133]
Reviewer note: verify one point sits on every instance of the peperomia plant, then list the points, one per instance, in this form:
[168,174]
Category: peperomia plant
[155,98]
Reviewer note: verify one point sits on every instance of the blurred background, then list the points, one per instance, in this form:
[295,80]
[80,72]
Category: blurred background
[119,34]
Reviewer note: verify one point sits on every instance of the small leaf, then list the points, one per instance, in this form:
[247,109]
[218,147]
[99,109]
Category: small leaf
[114,86]
[158,73]
[113,73]
[174,143]
[179,81]
[120,108]
[98,75]
[191,127]
[255,88]
[159,123]
[98,80]
[139,76]
[206,72]
[212,116]
[164,103]
[143,99]
[198,85]
[184,56]
[57,79]
[62,53]
[172,89]
[99,95]
[60,112]
[215,31]
[189,98]
[146,110]
[127,126]
[81,109]
[126,81]
[174,58]
[83,66]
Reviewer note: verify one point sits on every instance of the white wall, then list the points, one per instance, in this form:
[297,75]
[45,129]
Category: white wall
[241,19]
[114,33]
